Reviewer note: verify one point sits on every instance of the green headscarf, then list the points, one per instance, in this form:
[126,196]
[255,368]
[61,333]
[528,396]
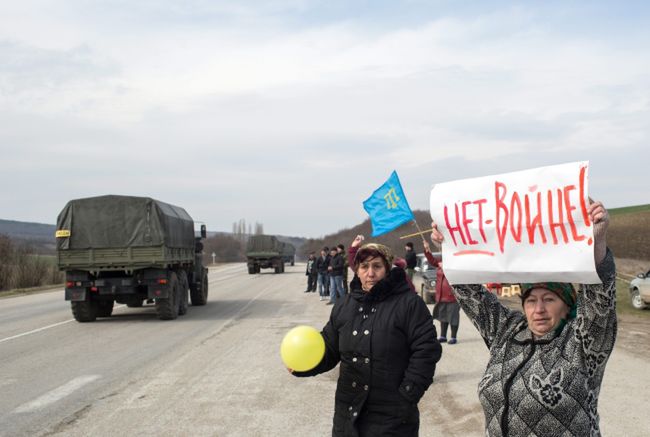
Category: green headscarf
[564,290]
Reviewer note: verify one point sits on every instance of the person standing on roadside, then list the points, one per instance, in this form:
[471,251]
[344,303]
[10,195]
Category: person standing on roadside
[382,336]
[312,273]
[546,366]
[446,309]
[336,275]
[411,260]
[322,263]
[341,250]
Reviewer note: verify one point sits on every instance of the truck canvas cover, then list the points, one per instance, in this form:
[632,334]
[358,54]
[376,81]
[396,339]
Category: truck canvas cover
[263,243]
[121,222]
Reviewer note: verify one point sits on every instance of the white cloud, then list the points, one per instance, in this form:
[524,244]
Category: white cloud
[199,102]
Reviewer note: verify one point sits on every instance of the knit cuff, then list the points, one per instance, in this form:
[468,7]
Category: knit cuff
[600,241]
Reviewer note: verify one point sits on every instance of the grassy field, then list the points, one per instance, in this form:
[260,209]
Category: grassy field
[628,210]
[627,235]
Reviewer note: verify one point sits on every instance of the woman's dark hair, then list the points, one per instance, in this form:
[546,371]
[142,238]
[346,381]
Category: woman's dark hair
[374,251]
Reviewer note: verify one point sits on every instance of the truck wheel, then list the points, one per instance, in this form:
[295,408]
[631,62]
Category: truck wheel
[167,308]
[258,269]
[84,311]
[637,302]
[184,285]
[105,308]
[293,262]
[277,269]
[251,270]
[200,294]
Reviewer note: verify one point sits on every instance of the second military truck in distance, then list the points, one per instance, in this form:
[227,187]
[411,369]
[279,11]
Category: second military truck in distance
[129,249]
[289,253]
[267,252]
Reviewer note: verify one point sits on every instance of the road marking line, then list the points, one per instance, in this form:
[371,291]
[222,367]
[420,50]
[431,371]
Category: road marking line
[34,331]
[56,394]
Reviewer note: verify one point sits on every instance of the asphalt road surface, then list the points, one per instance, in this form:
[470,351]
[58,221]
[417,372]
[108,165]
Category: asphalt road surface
[217,372]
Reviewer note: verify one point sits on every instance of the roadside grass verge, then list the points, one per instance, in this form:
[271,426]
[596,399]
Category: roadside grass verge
[31,290]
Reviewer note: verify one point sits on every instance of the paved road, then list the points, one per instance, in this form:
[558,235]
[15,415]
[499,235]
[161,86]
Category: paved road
[217,371]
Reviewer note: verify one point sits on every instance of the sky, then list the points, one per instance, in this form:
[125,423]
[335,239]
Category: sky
[291,112]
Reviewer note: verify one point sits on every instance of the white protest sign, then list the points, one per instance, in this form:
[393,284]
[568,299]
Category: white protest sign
[526,226]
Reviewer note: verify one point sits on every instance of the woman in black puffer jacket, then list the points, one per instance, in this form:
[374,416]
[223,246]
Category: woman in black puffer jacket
[384,338]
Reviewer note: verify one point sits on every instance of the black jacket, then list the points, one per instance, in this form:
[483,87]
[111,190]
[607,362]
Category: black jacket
[386,343]
[322,264]
[337,263]
[411,259]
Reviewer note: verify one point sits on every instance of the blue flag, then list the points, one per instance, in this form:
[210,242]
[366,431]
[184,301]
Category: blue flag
[387,207]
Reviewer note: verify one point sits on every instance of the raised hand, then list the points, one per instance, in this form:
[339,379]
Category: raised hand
[436,235]
[357,240]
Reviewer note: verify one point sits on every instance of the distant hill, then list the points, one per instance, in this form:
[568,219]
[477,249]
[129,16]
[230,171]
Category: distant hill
[628,235]
[27,230]
[38,235]
[390,239]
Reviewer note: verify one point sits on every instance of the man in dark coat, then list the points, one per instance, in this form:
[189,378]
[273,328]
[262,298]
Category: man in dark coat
[335,269]
[383,337]
[341,250]
[322,264]
[312,273]
[411,260]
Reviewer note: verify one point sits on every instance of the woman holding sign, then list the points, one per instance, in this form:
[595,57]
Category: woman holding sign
[546,366]
[382,334]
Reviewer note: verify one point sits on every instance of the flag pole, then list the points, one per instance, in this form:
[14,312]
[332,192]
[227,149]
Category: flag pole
[416,234]
[420,232]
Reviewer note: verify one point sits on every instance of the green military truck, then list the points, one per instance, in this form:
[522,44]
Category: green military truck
[267,252]
[127,250]
[289,253]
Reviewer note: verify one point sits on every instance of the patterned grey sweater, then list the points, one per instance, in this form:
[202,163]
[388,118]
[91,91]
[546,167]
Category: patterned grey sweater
[547,386]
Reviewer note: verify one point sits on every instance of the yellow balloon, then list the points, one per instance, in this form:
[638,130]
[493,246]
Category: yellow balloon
[302,348]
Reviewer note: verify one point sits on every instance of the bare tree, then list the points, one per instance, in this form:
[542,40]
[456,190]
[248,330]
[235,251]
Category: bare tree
[259,228]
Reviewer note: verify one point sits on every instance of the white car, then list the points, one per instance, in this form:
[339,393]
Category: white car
[640,291]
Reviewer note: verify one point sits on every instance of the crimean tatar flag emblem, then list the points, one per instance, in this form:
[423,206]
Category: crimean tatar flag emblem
[388,207]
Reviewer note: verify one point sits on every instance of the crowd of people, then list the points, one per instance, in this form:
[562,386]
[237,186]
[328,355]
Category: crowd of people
[546,362]
[328,273]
